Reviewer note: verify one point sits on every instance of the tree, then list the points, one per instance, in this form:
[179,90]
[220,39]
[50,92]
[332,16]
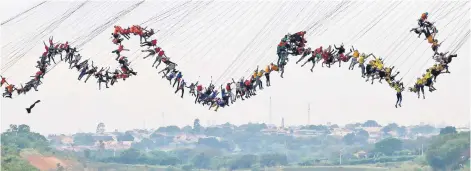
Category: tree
[130,156]
[349,139]
[23,128]
[201,161]
[271,160]
[196,126]
[126,137]
[423,129]
[388,146]
[187,129]
[449,151]
[370,123]
[100,128]
[390,127]
[448,130]
[86,153]
[84,139]
[401,131]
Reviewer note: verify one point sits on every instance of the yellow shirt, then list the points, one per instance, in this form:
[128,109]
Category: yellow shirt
[260,74]
[267,69]
[274,68]
[356,54]
[379,66]
[388,70]
[424,80]
[255,74]
[361,60]
[397,88]
[440,67]
[430,39]
[428,75]
[419,82]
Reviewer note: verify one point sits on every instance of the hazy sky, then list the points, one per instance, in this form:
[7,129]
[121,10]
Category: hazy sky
[226,39]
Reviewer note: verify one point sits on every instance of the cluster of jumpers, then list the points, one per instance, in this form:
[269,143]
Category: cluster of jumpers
[442,59]
[374,69]
[224,95]
[84,67]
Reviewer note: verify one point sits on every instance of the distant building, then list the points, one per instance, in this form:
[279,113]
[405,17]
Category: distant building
[361,154]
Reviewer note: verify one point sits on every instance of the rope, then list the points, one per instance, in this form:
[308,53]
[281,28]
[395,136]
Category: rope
[20,14]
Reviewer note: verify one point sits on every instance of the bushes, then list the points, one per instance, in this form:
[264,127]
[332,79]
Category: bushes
[381,160]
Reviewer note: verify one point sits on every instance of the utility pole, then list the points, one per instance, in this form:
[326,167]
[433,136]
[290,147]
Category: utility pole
[269,113]
[309,114]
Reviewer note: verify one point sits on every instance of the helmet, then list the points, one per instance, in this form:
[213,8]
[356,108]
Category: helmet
[426,13]
[363,54]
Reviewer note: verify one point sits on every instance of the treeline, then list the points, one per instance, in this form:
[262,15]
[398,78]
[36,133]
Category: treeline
[15,139]
[189,159]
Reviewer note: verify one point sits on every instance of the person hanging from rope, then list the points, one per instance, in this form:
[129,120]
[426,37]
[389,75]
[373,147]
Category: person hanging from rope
[445,60]
[3,81]
[170,66]
[101,79]
[229,92]
[125,66]
[75,61]
[147,34]
[91,72]
[399,87]
[150,44]
[370,68]
[283,62]
[239,89]
[71,53]
[428,81]
[435,46]
[192,88]
[117,30]
[326,57]
[116,39]
[305,53]
[344,58]
[177,79]
[356,55]
[49,51]
[119,50]
[279,49]
[152,52]
[32,106]
[423,20]
[84,68]
[267,75]
[419,86]
[181,85]
[9,90]
[199,92]
[126,33]
[258,79]
[361,61]
[436,70]
[225,97]
[161,57]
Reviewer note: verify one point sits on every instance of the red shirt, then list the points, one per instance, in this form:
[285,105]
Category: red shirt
[157,50]
[154,42]
[247,83]
[120,48]
[199,88]
[161,53]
